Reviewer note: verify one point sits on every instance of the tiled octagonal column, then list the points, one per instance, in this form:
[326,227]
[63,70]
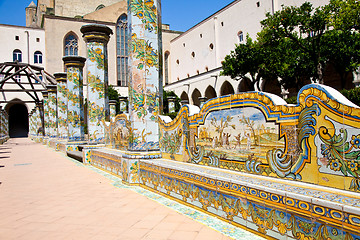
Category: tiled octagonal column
[75,111]
[144,87]
[46,113]
[62,132]
[112,104]
[40,118]
[96,37]
[52,121]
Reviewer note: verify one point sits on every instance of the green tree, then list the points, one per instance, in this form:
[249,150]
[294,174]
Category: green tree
[342,49]
[284,61]
[296,44]
[245,62]
[114,95]
[167,94]
[345,15]
[305,26]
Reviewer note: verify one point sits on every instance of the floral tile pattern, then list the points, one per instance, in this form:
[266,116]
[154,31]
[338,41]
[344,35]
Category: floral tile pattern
[316,141]
[4,126]
[210,221]
[75,112]
[97,81]
[62,122]
[144,74]
[52,124]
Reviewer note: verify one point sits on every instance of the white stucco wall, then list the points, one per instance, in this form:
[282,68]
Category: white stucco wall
[220,29]
[72,8]
[28,45]
[57,28]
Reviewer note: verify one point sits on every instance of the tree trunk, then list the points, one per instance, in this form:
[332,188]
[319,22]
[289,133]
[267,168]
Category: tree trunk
[320,73]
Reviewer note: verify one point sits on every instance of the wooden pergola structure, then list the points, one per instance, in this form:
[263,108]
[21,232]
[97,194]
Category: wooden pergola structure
[23,78]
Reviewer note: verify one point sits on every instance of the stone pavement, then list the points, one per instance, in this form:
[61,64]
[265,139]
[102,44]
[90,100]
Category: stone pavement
[44,195]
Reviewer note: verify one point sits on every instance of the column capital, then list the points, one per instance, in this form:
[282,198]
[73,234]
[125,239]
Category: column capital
[60,77]
[74,61]
[121,98]
[40,104]
[112,102]
[51,88]
[96,33]
[45,94]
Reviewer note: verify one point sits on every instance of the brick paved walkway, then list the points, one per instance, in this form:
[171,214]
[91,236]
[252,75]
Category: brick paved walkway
[44,195]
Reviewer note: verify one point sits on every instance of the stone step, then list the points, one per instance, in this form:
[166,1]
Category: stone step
[77,155]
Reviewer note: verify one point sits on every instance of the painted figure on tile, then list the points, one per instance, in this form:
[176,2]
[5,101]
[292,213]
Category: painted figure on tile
[118,133]
[248,141]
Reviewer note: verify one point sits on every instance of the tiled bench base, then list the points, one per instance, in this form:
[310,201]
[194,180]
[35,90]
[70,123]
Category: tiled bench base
[272,208]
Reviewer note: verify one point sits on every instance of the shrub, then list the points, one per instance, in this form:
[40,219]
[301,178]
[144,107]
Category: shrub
[353,95]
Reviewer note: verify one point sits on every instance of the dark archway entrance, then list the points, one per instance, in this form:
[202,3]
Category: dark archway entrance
[210,92]
[18,121]
[195,97]
[226,89]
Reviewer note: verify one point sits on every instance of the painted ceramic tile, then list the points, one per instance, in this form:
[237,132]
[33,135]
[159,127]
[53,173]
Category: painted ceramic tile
[75,112]
[223,140]
[97,67]
[144,80]
[119,133]
[52,122]
[46,115]
[62,118]
[112,111]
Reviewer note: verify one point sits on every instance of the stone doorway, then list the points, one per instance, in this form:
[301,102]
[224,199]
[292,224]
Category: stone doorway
[18,120]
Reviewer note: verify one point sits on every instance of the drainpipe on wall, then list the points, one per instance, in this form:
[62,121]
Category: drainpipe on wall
[217,47]
[28,47]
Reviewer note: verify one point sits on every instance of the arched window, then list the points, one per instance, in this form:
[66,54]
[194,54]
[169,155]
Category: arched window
[166,67]
[122,55]
[38,57]
[17,55]
[71,45]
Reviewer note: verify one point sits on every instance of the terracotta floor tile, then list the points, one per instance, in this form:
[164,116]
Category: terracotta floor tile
[51,197]
[158,234]
[180,235]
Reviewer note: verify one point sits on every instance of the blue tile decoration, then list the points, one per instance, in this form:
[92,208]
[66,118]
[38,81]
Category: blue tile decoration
[75,110]
[62,124]
[96,37]
[199,216]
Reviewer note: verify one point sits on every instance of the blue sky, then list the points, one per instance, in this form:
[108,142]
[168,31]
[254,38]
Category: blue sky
[181,15]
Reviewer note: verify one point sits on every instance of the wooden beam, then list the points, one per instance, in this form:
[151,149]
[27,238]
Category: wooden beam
[2,82]
[22,90]
[18,102]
